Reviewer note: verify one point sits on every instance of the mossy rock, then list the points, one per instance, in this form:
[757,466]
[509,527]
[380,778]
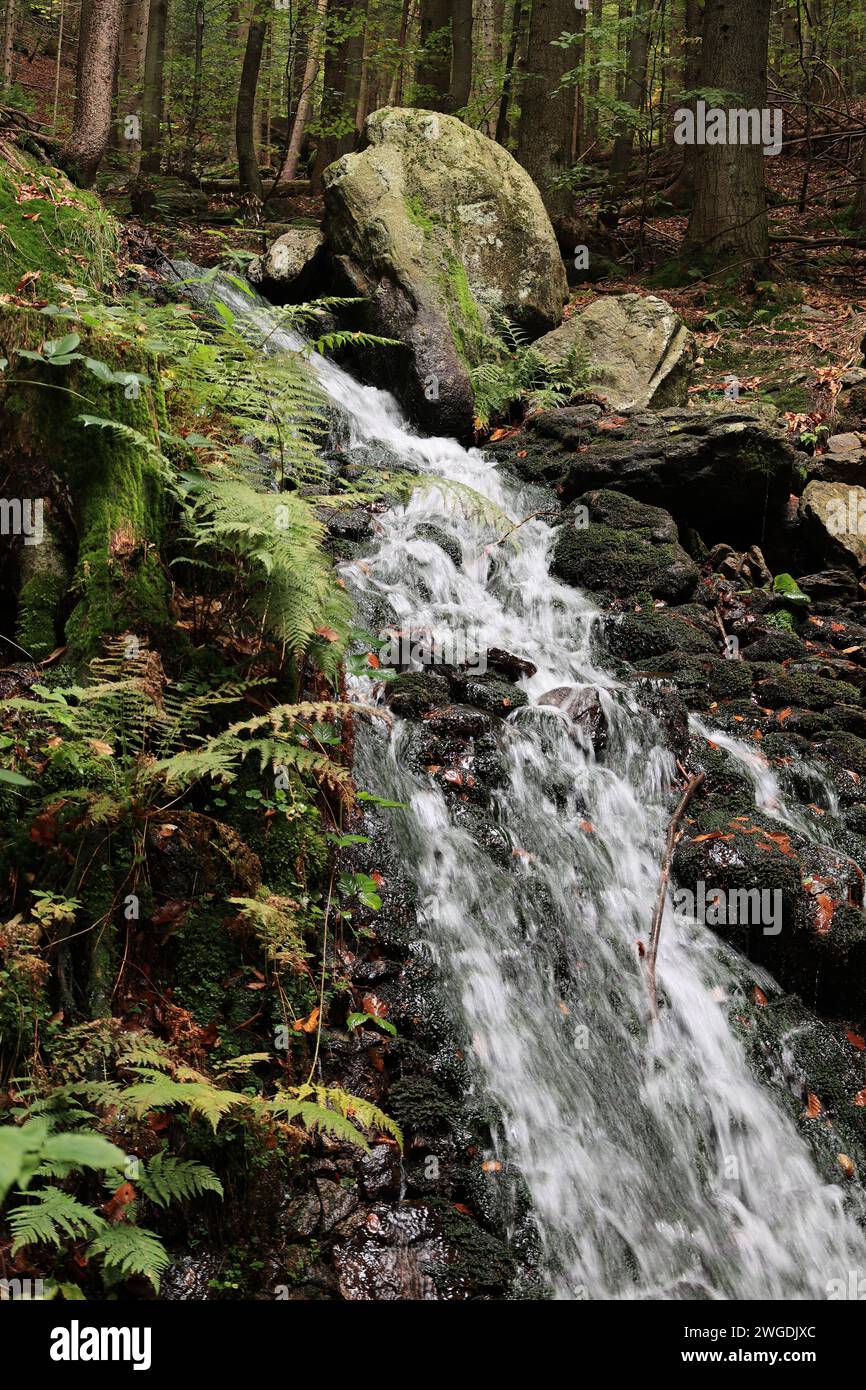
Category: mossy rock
[72,237]
[441,230]
[637,636]
[626,550]
[115,486]
[804,690]
[415,692]
[700,680]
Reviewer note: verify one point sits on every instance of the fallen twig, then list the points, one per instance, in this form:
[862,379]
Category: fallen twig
[656,928]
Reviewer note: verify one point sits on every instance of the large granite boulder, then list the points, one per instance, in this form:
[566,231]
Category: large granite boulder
[835,514]
[633,350]
[440,230]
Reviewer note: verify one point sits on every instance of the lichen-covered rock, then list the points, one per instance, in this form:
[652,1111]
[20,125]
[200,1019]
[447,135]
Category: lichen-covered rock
[836,516]
[635,350]
[440,227]
[624,550]
[286,272]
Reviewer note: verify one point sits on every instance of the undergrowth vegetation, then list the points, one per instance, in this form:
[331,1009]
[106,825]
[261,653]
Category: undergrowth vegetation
[173,795]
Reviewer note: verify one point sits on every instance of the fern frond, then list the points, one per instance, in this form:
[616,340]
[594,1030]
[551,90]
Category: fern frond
[131,1250]
[166,1179]
[158,1092]
[51,1215]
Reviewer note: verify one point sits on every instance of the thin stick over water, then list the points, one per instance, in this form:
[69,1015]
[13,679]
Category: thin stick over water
[658,915]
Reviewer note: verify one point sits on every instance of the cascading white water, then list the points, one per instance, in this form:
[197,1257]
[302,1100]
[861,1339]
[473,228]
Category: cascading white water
[658,1167]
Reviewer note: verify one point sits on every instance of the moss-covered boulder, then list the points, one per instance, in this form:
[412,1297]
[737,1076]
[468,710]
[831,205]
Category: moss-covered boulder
[619,548]
[439,228]
[50,229]
[723,472]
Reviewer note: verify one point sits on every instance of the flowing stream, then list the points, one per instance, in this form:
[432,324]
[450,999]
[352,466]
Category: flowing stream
[658,1167]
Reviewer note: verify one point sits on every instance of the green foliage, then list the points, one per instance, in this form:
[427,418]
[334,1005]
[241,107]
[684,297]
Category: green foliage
[512,374]
[130,1250]
[166,1179]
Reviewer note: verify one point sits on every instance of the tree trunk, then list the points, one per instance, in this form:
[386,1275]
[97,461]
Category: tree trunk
[154,59]
[635,89]
[729,213]
[305,97]
[593,81]
[502,124]
[9,45]
[461,62]
[544,142]
[433,74]
[395,94]
[130,71]
[344,57]
[195,104]
[245,113]
[92,122]
[682,191]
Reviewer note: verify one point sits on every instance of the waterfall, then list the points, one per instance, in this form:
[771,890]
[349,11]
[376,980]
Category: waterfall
[657,1165]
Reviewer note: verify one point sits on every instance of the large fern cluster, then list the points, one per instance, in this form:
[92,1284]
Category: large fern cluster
[51,1166]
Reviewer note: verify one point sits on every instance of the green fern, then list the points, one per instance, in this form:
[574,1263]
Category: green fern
[165,1179]
[156,1091]
[131,1250]
[51,1215]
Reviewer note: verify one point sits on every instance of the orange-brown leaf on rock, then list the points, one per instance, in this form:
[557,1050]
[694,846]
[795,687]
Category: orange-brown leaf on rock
[491,1165]
[860,1098]
[588,826]
[784,714]
[846,1164]
[328,633]
[813,1106]
[308,1024]
[373,1005]
[856,1041]
[824,909]
[759,997]
[373,660]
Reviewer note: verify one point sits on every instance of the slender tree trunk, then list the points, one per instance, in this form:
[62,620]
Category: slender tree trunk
[635,89]
[860,206]
[682,191]
[9,45]
[395,94]
[305,97]
[729,213]
[544,143]
[152,103]
[502,125]
[593,81]
[195,104]
[461,62]
[245,113]
[92,123]
[57,68]
[433,74]
[344,57]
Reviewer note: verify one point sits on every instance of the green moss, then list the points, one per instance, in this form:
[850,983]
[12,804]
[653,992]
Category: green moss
[420,1105]
[464,318]
[73,238]
[416,214]
[115,486]
[790,590]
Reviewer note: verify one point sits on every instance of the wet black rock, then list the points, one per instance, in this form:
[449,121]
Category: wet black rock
[582,706]
[720,472]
